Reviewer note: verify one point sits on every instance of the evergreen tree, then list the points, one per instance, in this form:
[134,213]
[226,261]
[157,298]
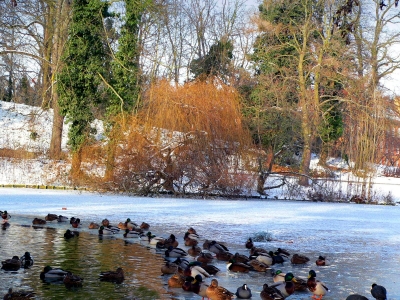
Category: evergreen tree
[79,80]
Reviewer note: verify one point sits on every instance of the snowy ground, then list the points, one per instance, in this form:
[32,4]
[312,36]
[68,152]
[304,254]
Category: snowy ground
[29,128]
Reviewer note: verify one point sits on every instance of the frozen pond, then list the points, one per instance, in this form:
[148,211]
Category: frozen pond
[361,241]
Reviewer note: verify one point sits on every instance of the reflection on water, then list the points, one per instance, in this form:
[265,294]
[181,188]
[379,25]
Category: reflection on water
[85,256]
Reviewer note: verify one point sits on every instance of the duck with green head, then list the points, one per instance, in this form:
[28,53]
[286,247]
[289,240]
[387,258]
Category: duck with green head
[315,286]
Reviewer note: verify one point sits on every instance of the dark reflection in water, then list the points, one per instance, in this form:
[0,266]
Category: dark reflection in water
[85,256]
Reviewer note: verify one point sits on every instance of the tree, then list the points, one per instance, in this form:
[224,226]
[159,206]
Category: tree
[79,79]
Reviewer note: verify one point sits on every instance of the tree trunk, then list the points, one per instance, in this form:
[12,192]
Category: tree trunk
[56,133]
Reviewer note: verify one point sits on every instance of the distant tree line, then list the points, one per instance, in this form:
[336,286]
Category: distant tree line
[206,94]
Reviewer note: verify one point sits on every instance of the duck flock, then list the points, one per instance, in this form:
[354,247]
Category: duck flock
[190,269]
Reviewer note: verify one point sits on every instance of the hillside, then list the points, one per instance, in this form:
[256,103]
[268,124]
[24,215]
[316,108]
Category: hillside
[24,142]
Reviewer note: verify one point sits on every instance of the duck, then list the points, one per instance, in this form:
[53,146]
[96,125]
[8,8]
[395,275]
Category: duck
[169,268]
[300,284]
[187,285]
[193,270]
[356,297]
[298,259]
[216,292]
[165,243]
[152,239]
[318,288]
[94,225]
[183,263]
[132,234]
[75,222]
[106,231]
[38,221]
[258,266]
[243,292]
[249,243]
[257,251]
[62,218]
[144,226]
[176,280]
[234,266]
[210,269]
[205,257]
[12,264]
[26,260]
[217,247]
[194,251]
[71,280]
[199,287]
[378,291]
[322,261]
[270,293]
[128,224]
[175,252]
[105,222]
[276,257]
[287,287]
[224,256]
[241,258]
[70,234]
[18,295]
[265,258]
[283,252]
[50,274]
[191,239]
[5,215]
[51,217]
[113,276]
[278,276]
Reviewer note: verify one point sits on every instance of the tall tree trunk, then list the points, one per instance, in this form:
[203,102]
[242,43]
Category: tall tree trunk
[56,132]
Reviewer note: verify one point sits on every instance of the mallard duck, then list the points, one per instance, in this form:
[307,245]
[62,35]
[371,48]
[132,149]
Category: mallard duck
[192,230]
[287,287]
[176,280]
[318,288]
[193,270]
[18,295]
[265,258]
[51,274]
[144,226]
[322,261]
[378,292]
[71,280]
[70,234]
[258,266]
[51,217]
[61,218]
[205,257]
[278,276]
[217,247]
[300,284]
[249,243]
[12,264]
[132,234]
[169,268]
[182,263]
[187,285]
[5,215]
[243,292]
[270,293]
[216,292]
[241,258]
[128,224]
[356,297]
[210,269]
[152,239]
[113,276]
[276,257]
[166,243]
[298,259]
[106,231]
[224,256]
[37,221]
[191,239]
[94,225]
[257,251]
[234,266]
[194,251]
[283,252]
[175,252]
[199,287]
[75,222]
[26,260]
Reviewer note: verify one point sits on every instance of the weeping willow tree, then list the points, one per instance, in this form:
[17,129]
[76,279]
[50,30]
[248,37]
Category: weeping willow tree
[185,137]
